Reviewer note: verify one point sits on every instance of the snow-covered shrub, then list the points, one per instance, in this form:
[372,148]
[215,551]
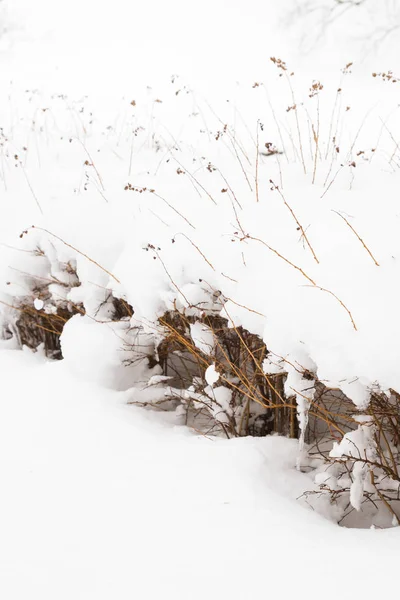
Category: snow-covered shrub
[36,304]
[244,273]
[218,376]
[361,471]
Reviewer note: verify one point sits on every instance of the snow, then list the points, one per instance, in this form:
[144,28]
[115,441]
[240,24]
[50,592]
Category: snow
[326,312]
[359,444]
[38,304]
[202,337]
[129,159]
[104,353]
[211,375]
[100,500]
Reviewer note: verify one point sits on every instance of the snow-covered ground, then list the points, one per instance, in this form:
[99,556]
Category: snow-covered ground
[102,500]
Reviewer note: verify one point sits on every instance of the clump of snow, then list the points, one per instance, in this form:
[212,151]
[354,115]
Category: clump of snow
[203,337]
[221,407]
[360,446]
[38,304]
[112,354]
[211,375]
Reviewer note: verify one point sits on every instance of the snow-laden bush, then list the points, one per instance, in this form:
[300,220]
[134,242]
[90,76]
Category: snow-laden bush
[235,273]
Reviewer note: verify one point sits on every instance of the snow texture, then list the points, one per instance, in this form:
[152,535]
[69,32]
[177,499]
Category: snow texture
[103,500]
[164,173]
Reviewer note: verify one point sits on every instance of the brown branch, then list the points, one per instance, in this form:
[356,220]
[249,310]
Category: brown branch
[358,237]
[275,187]
[76,250]
[282,257]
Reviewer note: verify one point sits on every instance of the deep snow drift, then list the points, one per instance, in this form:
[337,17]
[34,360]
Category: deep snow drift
[100,500]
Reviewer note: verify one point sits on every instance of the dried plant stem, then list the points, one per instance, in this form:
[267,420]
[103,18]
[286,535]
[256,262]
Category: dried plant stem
[230,189]
[388,446]
[358,237]
[349,153]
[255,361]
[197,248]
[241,164]
[275,187]
[172,208]
[282,257]
[334,153]
[31,188]
[340,302]
[32,312]
[382,497]
[194,179]
[396,144]
[246,412]
[249,391]
[277,125]
[257,153]
[338,95]
[297,122]
[92,163]
[170,278]
[76,250]
[242,305]
[316,140]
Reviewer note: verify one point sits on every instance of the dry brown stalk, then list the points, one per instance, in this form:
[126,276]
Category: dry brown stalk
[233,140]
[338,95]
[193,178]
[240,372]
[277,124]
[348,160]
[246,411]
[314,92]
[249,389]
[358,237]
[170,278]
[340,302]
[76,250]
[172,208]
[393,465]
[92,164]
[230,189]
[275,187]
[282,66]
[196,247]
[32,312]
[281,257]
[39,277]
[382,497]
[240,163]
[316,140]
[396,144]
[280,170]
[230,278]
[255,361]
[257,154]
[31,188]
[299,370]
[243,306]
[327,419]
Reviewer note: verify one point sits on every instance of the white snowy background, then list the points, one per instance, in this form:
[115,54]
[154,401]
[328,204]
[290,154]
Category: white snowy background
[100,499]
